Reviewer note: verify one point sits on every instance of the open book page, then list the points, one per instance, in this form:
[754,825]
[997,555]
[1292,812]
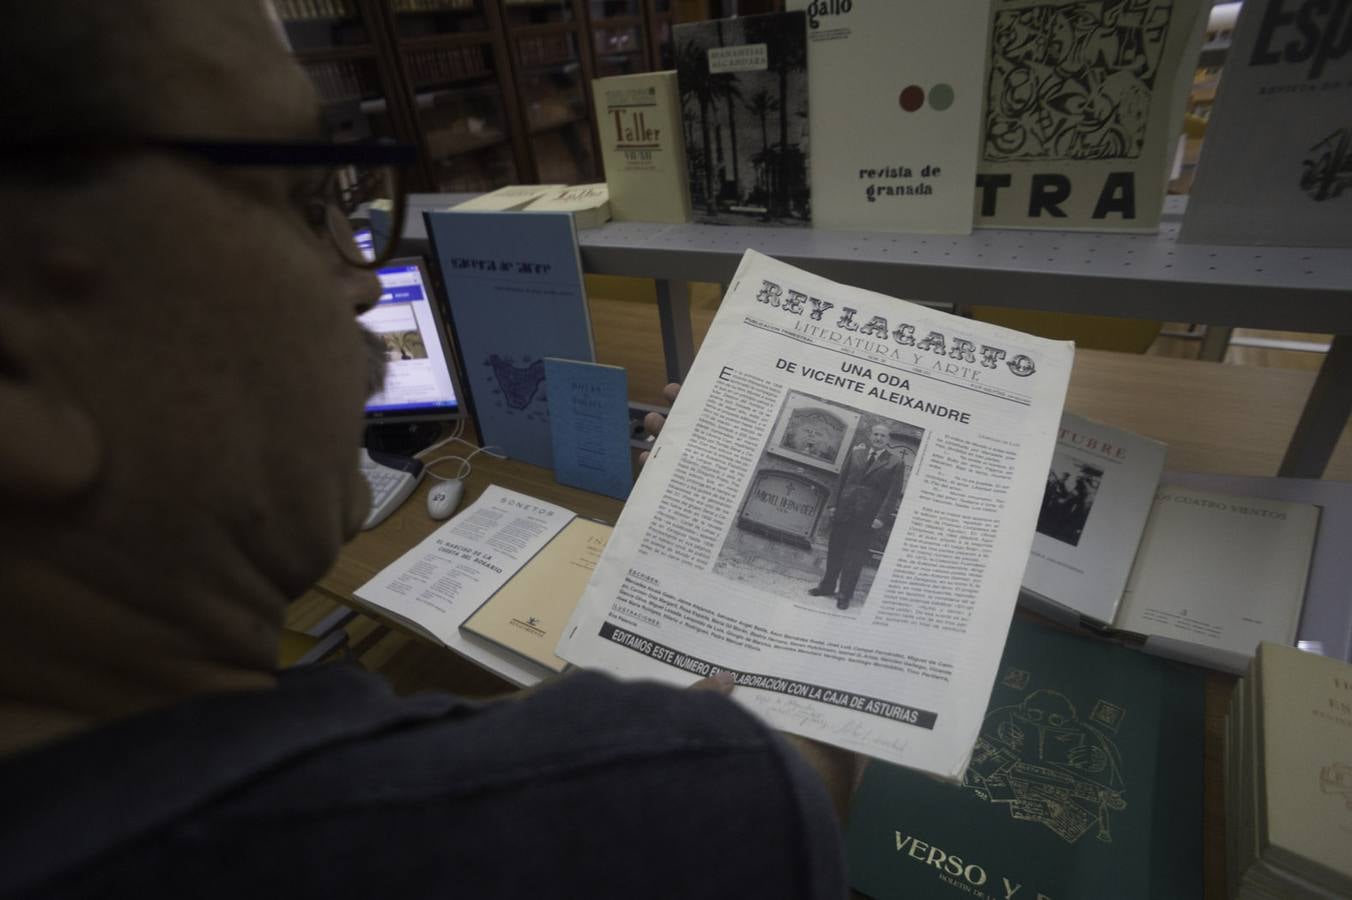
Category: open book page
[1099,492]
[839,510]
[449,574]
[1326,618]
[1221,573]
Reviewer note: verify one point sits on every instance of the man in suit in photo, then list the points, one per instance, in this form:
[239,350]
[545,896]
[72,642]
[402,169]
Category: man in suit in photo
[869,486]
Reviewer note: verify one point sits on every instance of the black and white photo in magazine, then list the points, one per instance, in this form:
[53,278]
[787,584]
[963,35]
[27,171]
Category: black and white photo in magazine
[1071,488]
[818,511]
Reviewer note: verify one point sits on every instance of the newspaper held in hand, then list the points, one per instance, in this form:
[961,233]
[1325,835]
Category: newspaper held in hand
[839,511]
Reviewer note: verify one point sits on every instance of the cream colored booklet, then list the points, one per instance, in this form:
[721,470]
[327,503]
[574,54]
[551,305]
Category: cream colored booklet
[1215,575]
[589,204]
[441,581]
[528,613]
[638,118]
[895,99]
[1305,782]
[505,199]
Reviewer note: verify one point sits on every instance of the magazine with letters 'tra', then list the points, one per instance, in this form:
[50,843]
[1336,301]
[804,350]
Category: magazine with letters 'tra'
[839,511]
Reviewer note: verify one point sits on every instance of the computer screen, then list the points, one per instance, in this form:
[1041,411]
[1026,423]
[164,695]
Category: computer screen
[366,242]
[420,380]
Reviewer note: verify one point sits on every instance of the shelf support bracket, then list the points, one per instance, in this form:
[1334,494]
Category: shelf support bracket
[678,340]
[1325,415]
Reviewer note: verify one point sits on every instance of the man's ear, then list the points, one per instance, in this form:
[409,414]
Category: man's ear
[49,449]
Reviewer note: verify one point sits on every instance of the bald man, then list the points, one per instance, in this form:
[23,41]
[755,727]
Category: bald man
[870,483]
[182,379]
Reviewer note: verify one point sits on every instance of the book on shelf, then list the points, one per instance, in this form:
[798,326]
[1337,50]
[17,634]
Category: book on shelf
[416,6]
[642,147]
[505,199]
[838,511]
[514,287]
[1099,492]
[1288,777]
[1276,163]
[1215,575]
[589,204]
[1084,101]
[895,93]
[1326,618]
[745,106]
[300,10]
[512,564]
[1086,781]
[527,614]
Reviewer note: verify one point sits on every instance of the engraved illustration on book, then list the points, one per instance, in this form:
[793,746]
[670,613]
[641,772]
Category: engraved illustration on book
[1049,766]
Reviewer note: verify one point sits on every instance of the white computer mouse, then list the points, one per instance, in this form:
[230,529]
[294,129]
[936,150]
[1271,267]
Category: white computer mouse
[443,498]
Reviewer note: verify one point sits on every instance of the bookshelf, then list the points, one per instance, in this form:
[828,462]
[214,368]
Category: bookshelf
[492,92]
[1126,275]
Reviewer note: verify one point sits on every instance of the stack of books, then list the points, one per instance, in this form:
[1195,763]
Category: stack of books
[1288,777]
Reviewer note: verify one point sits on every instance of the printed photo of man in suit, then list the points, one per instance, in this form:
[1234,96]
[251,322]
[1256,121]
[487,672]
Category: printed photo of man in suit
[870,483]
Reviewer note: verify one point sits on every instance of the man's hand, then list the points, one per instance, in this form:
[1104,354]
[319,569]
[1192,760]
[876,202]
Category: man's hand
[722,683]
[839,769]
[653,422]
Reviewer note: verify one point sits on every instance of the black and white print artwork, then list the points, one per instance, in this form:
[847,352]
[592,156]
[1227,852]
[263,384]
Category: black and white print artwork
[1074,80]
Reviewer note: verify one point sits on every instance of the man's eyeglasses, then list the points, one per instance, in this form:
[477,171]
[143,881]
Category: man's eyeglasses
[354,174]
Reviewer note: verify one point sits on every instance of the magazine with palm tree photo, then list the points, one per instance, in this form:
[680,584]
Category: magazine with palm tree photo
[744,112]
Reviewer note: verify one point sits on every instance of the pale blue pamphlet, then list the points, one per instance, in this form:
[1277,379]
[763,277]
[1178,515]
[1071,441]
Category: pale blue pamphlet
[514,285]
[589,418]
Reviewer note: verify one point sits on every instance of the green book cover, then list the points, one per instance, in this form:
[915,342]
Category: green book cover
[1086,781]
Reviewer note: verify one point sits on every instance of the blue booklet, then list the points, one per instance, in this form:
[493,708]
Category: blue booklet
[589,419]
[514,284]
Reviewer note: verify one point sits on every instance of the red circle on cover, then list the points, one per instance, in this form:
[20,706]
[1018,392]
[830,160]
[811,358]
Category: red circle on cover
[912,98]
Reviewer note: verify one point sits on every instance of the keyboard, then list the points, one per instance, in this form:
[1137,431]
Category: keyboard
[392,478]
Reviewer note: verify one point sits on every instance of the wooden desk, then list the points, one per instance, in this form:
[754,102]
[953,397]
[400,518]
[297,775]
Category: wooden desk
[1230,419]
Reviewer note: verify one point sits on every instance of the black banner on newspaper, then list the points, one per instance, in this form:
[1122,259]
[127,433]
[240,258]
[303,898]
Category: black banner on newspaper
[787,686]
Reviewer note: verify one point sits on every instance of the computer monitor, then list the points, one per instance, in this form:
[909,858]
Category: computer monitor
[420,381]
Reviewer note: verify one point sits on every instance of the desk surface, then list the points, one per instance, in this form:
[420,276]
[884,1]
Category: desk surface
[1230,419]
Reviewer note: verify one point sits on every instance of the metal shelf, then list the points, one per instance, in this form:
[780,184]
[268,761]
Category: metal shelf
[1149,276]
